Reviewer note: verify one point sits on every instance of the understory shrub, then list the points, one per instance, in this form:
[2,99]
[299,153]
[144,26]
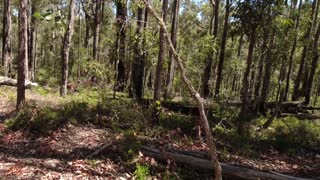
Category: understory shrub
[285,134]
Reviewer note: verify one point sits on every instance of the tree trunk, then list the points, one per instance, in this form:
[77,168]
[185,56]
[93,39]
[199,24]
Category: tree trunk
[296,90]
[293,49]
[6,38]
[23,54]
[207,69]
[162,53]
[121,44]
[138,63]
[314,65]
[240,44]
[96,31]
[279,98]
[257,87]
[195,95]
[245,100]
[66,49]
[32,43]
[88,26]
[174,32]
[144,48]
[222,49]
[266,79]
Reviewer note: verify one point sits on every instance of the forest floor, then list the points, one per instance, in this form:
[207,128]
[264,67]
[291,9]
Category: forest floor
[85,151]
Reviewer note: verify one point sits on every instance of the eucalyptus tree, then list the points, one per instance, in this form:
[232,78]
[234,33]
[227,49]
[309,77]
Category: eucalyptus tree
[121,18]
[252,16]
[173,37]
[314,65]
[23,54]
[138,63]
[292,51]
[208,67]
[96,30]
[6,37]
[222,48]
[66,49]
[32,40]
[162,53]
[297,92]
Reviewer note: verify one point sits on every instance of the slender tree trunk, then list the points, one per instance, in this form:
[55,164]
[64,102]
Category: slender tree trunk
[88,26]
[267,74]
[279,98]
[314,65]
[240,44]
[121,44]
[174,32]
[96,31]
[66,49]
[208,68]
[138,63]
[162,53]
[257,87]
[32,43]
[6,37]
[197,98]
[222,49]
[144,47]
[293,49]
[245,100]
[296,90]
[23,54]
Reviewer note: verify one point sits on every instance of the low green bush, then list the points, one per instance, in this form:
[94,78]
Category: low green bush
[36,120]
[293,134]
[285,134]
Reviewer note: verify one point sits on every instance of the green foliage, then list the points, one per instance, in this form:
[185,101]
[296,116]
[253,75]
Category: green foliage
[293,134]
[98,70]
[45,120]
[36,120]
[78,111]
[288,135]
[21,120]
[125,113]
[142,172]
[176,120]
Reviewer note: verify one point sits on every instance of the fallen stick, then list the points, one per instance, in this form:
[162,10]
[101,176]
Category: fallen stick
[99,150]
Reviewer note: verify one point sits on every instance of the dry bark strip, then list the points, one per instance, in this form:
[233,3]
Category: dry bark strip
[5,81]
[195,95]
[204,165]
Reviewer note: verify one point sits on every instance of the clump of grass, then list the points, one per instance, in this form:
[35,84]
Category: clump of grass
[142,172]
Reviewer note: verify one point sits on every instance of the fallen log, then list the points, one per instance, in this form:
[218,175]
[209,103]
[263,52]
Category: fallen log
[302,116]
[5,81]
[204,165]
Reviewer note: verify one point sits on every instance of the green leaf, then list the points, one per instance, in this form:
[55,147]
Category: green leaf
[37,15]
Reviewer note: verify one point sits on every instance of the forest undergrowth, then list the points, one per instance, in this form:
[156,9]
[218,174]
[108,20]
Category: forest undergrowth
[90,134]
